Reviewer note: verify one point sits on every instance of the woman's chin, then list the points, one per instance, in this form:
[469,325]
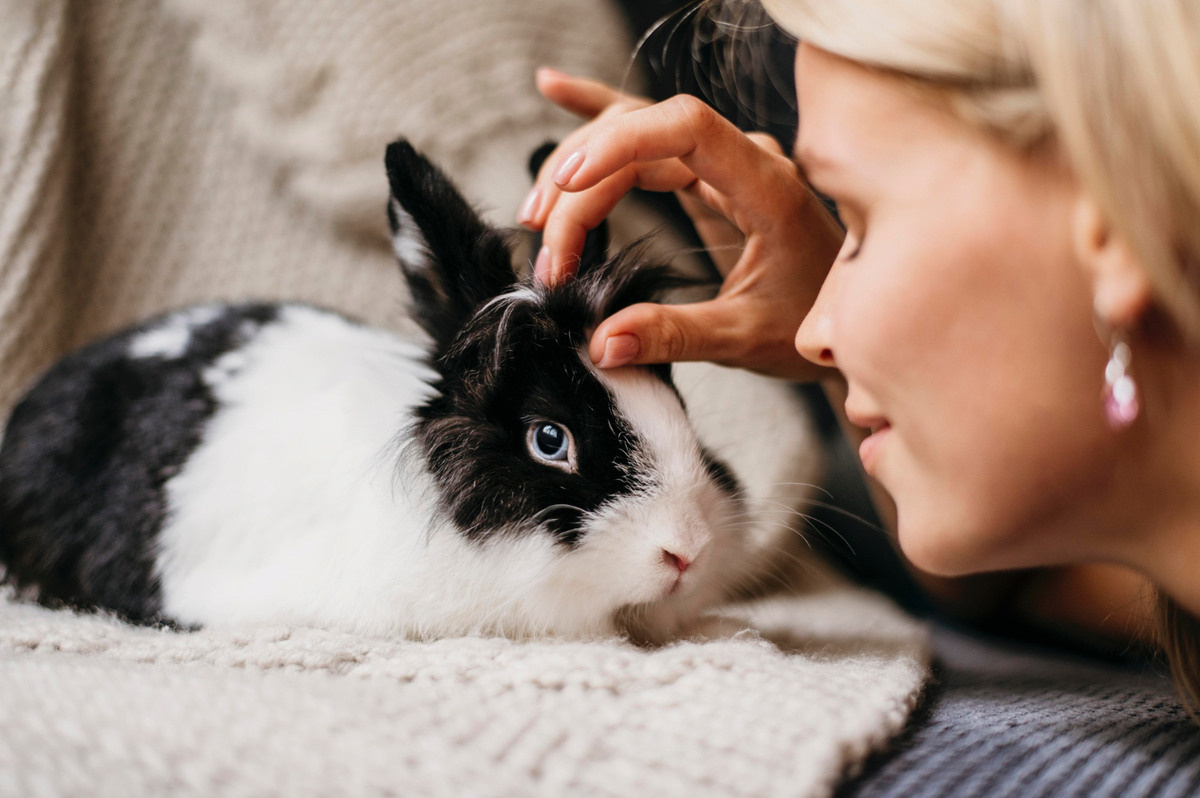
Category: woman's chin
[944,548]
[940,548]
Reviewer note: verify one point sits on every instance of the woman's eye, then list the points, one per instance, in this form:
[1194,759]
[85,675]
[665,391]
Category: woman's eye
[551,443]
[853,242]
[851,246]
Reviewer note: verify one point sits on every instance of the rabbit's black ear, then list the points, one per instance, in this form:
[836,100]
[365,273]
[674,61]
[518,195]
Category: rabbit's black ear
[595,245]
[452,259]
[539,156]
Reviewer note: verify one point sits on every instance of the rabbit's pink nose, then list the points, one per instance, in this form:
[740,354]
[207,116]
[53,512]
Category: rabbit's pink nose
[679,563]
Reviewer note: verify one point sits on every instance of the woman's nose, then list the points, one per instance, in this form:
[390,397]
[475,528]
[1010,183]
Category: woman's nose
[814,339]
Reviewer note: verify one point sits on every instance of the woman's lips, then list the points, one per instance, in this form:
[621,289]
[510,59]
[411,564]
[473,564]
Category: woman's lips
[879,427]
[868,450]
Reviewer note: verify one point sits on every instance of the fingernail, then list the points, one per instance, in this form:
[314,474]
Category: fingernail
[541,266]
[619,350]
[531,206]
[569,168]
[550,72]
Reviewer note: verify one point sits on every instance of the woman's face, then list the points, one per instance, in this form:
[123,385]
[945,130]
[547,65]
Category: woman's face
[962,321]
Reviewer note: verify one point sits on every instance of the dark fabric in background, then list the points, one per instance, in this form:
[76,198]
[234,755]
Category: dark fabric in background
[1019,714]
[1004,718]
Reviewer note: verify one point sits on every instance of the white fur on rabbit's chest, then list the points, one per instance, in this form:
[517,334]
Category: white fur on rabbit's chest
[287,510]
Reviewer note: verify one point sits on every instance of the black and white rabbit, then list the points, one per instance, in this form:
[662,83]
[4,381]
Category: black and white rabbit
[233,463]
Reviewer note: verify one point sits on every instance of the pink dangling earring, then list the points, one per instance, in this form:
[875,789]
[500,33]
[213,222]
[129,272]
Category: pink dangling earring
[1121,404]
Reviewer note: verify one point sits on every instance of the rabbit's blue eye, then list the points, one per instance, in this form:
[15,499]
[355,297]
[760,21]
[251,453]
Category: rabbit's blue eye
[551,443]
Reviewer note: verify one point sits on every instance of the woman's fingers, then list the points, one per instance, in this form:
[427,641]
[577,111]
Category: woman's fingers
[767,142]
[589,98]
[580,96]
[723,330]
[711,215]
[656,176]
[682,127]
[655,143]
[566,218]
[639,147]
[745,179]
[650,333]
[772,239]
[722,240]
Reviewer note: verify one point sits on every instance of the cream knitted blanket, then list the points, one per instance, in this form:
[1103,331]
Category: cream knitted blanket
[91,707]
[156,154]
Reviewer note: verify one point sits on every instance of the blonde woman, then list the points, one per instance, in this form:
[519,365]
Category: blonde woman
[1014,307]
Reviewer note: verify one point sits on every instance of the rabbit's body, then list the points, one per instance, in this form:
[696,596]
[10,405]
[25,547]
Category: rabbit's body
[281,463]
[190,422]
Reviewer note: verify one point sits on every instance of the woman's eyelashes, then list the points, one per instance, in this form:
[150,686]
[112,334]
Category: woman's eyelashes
[851,221]
[851,246]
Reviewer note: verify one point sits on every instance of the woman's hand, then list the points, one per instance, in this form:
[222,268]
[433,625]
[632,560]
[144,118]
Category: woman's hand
[770,236]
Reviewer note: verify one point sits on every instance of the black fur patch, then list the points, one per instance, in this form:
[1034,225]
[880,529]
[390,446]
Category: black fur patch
[85,457]
[476,446]
[720,472]
[517,361]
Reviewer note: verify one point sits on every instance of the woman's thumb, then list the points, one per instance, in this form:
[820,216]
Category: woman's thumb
[651,333]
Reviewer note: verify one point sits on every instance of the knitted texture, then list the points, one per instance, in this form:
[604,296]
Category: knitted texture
[1008,721]
[36,299]
[158,154]
[92,706]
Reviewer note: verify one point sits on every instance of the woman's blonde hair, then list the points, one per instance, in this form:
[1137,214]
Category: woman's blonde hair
[1114,85]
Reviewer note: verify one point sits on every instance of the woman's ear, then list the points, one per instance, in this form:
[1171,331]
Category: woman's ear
[1120,288]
